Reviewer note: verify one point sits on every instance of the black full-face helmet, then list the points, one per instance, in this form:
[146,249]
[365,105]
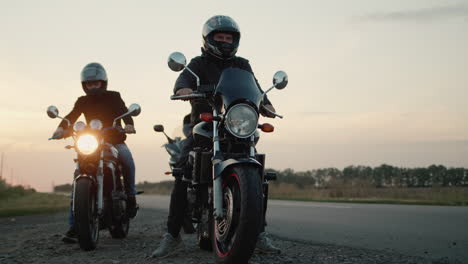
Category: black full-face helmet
[219,49]
[94,72]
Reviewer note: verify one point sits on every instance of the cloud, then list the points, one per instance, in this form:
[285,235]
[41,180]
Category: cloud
[423,14]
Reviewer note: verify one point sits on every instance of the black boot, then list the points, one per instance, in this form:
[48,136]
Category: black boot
[133,207]
[70,236]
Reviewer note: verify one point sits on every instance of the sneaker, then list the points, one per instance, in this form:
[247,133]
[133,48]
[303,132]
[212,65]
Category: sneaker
[264,245]
[70,236]
[168,246]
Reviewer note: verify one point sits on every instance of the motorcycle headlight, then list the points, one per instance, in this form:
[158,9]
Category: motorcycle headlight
[87,144]
[95,124]
[241,120]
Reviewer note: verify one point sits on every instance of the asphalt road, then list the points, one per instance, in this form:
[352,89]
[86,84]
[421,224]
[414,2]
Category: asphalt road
[429,231]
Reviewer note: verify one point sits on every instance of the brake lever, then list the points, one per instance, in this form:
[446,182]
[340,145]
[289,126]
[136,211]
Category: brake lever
[273,113]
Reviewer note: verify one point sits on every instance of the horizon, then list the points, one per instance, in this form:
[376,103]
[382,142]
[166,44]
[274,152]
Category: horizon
[370,82]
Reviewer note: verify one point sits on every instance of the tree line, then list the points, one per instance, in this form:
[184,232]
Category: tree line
[382,176]
[8,191]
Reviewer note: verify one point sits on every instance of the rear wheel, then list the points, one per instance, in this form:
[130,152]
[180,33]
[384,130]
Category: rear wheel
[235,235]
[205,231]
[205,218]
[120,220]
[86,216]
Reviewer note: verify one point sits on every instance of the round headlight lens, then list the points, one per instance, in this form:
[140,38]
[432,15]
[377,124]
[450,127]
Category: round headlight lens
[79,126]
[87,144]
[242,120]
[95,124]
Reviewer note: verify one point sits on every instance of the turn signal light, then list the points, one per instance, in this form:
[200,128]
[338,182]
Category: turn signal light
[267,128]
[207,117]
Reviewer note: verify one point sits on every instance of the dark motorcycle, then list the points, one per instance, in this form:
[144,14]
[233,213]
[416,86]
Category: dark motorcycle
[174,148]
[229,188]
[98,199]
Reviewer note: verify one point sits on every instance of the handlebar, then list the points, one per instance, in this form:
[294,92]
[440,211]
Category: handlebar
[104,130]
[188,96]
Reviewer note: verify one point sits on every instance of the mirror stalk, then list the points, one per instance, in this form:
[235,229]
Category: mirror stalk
[264,93]
[196,76]
[168,138]
[68,121]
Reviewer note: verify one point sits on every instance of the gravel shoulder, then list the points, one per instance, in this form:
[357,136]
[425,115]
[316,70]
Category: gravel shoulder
[37,239]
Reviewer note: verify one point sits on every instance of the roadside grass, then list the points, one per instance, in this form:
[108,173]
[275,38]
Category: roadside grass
[451,196]
[373,201]
[33,203]
[359,192]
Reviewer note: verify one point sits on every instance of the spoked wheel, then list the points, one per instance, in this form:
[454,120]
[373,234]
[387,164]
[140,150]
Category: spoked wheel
[235,235]
[86,216]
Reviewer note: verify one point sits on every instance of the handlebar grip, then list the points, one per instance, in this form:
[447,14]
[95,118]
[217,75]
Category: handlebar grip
[187,96]
[56,137]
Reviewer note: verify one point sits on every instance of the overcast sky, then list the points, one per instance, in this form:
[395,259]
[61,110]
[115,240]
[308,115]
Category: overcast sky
[371,82]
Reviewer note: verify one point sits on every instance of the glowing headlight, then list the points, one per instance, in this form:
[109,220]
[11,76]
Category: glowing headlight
[95,124]
[87,144]
[78,126]
[242,120]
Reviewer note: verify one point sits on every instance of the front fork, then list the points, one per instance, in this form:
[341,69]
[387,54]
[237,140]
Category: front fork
[217,181]
[100,184]
[99,181]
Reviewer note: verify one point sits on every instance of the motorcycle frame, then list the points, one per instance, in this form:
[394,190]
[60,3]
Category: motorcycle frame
[98,179]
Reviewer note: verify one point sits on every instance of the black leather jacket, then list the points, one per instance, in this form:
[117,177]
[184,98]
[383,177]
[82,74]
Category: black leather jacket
[209,69]
[105,107]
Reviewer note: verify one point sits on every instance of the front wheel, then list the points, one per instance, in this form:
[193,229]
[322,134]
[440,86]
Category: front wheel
[235,235]
[86,216]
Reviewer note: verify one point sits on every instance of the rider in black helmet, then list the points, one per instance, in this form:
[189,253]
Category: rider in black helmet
[94,72]
[221,36]
[99,103]
[216,44]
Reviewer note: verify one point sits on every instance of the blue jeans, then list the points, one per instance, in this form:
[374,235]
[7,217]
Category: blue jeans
[128,166]
[128,172]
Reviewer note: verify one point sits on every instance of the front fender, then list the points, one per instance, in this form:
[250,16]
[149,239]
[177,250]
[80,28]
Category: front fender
[221,166]
[85,176]
[80,177]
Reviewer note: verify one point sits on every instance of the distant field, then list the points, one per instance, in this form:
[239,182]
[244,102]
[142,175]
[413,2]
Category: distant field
[358,191]
[391,195]
[33,203]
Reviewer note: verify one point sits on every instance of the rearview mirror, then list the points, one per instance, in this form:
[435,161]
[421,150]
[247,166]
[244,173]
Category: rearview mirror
[134,109]
[176,61]
[280,80]
[158,128]
[52,111]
